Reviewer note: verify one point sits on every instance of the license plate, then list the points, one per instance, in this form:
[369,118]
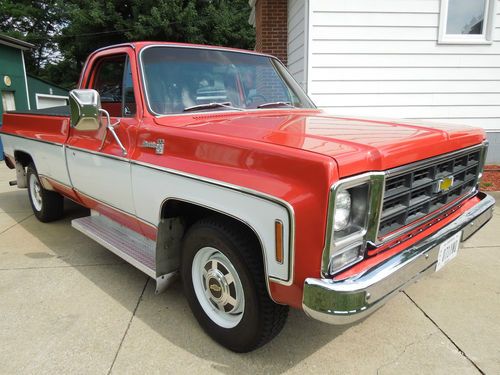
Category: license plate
[448,250]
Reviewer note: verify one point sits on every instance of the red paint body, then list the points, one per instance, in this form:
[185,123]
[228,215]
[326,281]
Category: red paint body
[295,155]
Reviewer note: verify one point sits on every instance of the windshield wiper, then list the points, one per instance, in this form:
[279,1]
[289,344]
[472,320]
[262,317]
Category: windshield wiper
[211,105]
[276,104]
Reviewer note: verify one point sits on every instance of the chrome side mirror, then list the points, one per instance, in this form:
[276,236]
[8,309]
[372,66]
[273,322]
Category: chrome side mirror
[86,113]
[85,106]
[111,127]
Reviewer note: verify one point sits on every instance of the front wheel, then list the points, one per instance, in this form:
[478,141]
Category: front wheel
[47,205]
[224,283]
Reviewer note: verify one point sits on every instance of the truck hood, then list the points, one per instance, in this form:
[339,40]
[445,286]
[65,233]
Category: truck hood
[357,144]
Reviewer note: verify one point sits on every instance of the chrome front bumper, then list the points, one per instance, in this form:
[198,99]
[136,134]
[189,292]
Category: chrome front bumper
[349,300]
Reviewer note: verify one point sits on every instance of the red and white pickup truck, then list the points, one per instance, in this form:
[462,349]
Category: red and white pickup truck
[213,163]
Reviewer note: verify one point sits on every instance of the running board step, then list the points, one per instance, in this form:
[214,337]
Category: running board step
[126,243]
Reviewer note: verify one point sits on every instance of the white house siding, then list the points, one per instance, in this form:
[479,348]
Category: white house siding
[297,33]
[381,58]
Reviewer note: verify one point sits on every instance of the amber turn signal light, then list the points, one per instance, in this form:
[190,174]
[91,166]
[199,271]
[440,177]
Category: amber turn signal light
[278,229]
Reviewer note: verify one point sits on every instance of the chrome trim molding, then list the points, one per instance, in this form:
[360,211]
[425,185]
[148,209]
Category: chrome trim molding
[84,70]
[424,220]
[482,160]
[144,85]
[116,209]
[430,161]
[376,181]
[33,139]
[269,278]
[283,203]
[288,207]
[244,190]
[49,179]
[427,162]
[349,300]
[109,156]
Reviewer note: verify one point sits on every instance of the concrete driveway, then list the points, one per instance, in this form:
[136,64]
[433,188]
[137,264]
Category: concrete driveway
[68,306]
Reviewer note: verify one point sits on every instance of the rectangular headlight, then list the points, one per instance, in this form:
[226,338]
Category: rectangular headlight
[350,211]
[354,211]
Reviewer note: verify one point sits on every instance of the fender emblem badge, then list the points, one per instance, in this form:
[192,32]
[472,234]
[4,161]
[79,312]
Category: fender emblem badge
[158,146]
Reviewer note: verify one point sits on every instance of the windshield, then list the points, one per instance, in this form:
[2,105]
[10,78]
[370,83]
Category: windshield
[180,80]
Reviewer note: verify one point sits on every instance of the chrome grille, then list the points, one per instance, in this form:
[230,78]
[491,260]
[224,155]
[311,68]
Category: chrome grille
[411,192]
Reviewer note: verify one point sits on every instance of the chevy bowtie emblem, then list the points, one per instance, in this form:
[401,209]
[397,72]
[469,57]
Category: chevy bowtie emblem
[445,184]
[215,287]
[158,146]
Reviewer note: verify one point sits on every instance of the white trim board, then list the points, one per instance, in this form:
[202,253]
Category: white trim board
[26,81]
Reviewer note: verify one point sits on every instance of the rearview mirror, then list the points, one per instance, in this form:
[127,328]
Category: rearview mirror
[85,108]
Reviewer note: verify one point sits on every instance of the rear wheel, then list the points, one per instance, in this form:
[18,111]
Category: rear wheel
[224,283]
[47,205]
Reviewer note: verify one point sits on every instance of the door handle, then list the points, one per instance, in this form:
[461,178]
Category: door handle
[111,127]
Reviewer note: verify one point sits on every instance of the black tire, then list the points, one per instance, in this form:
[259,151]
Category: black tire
[49,206]
[261,319]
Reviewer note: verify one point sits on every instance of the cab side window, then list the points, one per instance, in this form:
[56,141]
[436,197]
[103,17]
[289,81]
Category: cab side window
[113,82]
[128,106]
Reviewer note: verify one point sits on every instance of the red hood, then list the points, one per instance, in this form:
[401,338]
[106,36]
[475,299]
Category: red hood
[357,145]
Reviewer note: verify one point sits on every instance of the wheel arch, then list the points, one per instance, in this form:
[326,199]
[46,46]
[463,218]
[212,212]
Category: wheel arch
[23,157]
[182,212]
[256,209]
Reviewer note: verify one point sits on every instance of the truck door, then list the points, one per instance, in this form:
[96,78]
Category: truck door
[98,166]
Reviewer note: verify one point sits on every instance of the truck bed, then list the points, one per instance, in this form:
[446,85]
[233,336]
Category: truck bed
[52,111]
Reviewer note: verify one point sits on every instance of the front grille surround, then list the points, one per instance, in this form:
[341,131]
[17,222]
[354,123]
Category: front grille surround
[411,193]
[408,190]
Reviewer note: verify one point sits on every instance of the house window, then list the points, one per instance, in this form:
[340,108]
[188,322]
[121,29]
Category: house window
[466,21]
[8,101]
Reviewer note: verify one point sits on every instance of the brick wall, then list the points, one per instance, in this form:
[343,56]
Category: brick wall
[271,28]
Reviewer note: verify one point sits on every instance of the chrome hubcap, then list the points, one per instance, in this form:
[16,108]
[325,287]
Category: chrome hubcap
[218,287]
[36,192]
